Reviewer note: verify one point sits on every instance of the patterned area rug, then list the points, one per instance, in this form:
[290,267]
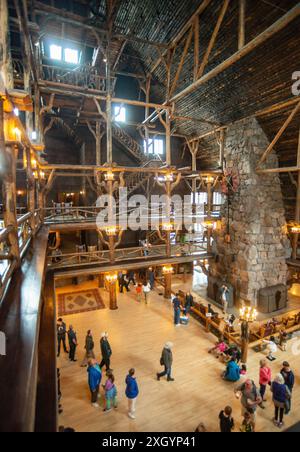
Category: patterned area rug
[78,302]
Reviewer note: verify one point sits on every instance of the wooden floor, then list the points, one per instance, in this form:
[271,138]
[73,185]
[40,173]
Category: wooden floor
[137,334]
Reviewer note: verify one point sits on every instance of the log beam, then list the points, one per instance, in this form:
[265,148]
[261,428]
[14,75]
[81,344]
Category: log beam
[248,48]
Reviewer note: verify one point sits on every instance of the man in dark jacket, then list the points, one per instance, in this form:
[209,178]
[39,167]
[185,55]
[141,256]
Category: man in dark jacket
[166,360]
[61,336]
[289,379]
[189,300]
[73,343]
[105,351]
[177,310]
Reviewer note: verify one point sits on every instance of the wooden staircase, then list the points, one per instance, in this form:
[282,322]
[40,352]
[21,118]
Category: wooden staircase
[131,145]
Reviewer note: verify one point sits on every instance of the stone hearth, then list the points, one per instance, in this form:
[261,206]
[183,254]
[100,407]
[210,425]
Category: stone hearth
[256,256]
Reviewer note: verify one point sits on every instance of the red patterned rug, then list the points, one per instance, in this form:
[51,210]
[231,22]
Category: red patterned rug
[78,302]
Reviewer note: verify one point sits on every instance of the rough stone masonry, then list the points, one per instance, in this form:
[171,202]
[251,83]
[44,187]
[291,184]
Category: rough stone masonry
[256,256]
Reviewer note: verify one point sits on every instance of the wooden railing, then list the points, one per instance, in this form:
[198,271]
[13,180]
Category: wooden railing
[61,213]
[28,225]
[84,77]
[56,261]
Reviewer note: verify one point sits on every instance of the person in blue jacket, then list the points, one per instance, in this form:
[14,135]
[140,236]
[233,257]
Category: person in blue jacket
[132,392]
[232,372]
[94,378]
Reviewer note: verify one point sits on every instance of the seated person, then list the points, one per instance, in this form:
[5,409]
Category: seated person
[234,352]
[212,312]
[220,348]
[232,372]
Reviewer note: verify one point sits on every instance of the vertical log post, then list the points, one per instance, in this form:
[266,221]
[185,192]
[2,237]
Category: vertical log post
[30,189]
[10,201]
[168,139]
[6,68]
[168,286]
[242,19]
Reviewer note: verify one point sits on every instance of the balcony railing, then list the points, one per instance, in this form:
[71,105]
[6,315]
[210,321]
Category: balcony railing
[57,261]
[82,77]
[28,224]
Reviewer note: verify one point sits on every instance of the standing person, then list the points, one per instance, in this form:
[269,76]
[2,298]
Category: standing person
[226,420]
[248,426]
[124,283]
[250,398]
[265,378]
[225,298]
[132,392]
[73,343]
[166,360]
[289,379]
[106,352]
[146,291]
[110,393]
[189,301]
[151,278]
[281,394]
[177,310]
[94,378]
[139,292]
[89,349]
[61,336]
[131,277]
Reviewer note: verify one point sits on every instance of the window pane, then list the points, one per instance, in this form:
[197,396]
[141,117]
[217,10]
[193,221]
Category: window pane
[55,52]
[148,147]
[71,56]
[158,147]
[120,114]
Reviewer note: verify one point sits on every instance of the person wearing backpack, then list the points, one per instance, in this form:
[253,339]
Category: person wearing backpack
[250,398]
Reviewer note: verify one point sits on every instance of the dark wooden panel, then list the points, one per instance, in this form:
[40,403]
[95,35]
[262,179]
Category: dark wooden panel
[19,320]
[46,402]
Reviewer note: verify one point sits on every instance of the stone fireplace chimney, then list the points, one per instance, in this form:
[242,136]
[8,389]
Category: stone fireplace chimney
[255,258]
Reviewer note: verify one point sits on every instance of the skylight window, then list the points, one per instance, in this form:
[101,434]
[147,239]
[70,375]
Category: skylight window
[154,146]
[55,52]
[71,56]
[120,114]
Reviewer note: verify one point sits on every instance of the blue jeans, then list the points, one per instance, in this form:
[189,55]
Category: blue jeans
[176,316]
[167,372]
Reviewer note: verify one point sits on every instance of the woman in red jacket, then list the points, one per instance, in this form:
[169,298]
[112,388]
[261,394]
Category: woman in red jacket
[265,378]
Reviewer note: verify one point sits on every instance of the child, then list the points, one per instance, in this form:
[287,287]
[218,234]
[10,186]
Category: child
[283,340]
[243,371]
[110,392]
[248,425]
[139,291]
[226,420]
[272,348]
[220,348]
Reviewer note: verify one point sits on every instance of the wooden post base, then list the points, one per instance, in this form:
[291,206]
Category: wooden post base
[168,286]
[113,302]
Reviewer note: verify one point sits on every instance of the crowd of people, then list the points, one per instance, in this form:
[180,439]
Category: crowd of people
[252,397]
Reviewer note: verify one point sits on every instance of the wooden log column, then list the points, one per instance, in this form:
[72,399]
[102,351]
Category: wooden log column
[30,188]
[6,69]
[10,201]
[168,285]
[112,281]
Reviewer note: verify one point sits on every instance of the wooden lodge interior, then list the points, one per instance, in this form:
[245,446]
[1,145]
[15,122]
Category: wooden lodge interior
[198,99]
